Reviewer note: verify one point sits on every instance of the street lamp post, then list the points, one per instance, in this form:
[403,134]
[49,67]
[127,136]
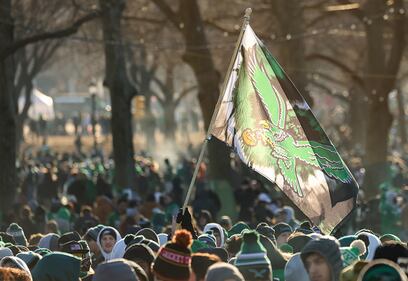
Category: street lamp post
[92,91]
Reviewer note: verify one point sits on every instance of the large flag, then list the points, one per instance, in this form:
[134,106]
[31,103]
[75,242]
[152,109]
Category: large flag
[270,126]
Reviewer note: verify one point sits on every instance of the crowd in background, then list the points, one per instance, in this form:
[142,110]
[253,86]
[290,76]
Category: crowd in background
[70,222]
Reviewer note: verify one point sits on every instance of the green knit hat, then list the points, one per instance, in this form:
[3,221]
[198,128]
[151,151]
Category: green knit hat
[237,228]
[252,260]
[351,254]
[389,237]
[198,245]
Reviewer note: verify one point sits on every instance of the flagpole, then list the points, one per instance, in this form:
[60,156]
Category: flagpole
[247,17]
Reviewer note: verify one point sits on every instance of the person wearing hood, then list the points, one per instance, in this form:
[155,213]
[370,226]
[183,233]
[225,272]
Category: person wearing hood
[217,231]
[143,256]
[57,267]
[371,241]
[287,215]
[15,262]
[222,271]
[106,240]
[322,259]
[295,270]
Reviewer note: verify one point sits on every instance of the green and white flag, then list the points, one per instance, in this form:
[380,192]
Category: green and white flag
[270,126]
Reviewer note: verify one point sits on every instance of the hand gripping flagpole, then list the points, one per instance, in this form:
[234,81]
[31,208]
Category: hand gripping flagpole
[247,17]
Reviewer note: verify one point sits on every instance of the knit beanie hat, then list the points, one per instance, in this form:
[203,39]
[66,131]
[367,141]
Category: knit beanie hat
[276,258]
[92,233]
[237,228]
[49,241]
[233,244]
[281,228]
[391,251]
[208,239]
[68,237]
[16,262]
[198,245]
[5,252]
[18,234]
[173,261]
[345,241]
[353,253]
[266,230]
[30,258]
[200,262]
[218,251]
[148,233]
[298,242]
[7,238]
[131,239]
[305,227]
[43,251]
[139,252]
[252,260]
[328,248]
[221,271]
[389,237]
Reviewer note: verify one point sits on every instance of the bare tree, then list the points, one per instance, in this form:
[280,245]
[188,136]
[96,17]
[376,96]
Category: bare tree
[121,92]
[8,97]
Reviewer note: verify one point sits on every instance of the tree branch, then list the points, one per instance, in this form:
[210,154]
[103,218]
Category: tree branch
[184,93]
[356,78]
[168,12]
[12,48]
[143,19]
[358,13]
[328,92]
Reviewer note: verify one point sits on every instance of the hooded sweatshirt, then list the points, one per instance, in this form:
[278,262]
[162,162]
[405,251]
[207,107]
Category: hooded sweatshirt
[210,226]
[57,267]
[106,255]
[295,270]
[119,249]
[117,269]
[372,245]
[19,263]
[329,248]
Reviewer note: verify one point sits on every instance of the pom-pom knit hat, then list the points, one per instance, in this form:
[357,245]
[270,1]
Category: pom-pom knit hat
[252,260]
[173,261]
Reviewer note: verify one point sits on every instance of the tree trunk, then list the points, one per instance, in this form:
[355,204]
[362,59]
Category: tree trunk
[382,68]
[357,120]
[291,21]
[8,174]
[208,79]
[401,119]
[170,125]
[121,92]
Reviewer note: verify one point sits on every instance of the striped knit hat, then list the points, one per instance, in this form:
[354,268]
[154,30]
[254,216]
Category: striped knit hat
[173,261]
[252,260]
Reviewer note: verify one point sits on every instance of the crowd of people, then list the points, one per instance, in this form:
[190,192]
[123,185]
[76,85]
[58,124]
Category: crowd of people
[70,222]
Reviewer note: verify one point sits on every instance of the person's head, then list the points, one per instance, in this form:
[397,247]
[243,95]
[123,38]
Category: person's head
[142,255]
[218,233]
[252,260]
[282,233]
[226,222]
[107,238]
[204,217]
[13,274]
[122,205]
[173,261]
[80,250]
[317,267]
[35,239]
[51,227]
[200,262]
[117,269]
[322,259]
[222,271]
[91,237]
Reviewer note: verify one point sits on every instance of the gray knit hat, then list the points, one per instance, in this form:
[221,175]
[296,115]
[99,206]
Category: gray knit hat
[18,234]
[221,271]
[329,248]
